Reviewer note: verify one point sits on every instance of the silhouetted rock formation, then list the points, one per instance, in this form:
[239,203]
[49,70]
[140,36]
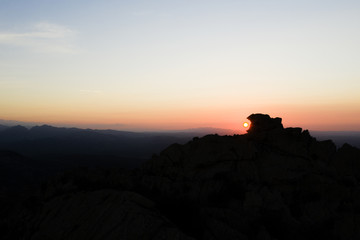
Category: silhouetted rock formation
[263,122]
[271,183]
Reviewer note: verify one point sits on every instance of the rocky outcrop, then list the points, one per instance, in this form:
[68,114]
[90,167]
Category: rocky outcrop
[263,122]
[271,183]
[102,214]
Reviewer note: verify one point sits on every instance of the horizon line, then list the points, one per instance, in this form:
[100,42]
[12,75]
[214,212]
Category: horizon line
[99,126]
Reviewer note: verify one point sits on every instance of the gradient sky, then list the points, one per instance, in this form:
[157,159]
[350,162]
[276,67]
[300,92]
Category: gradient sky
[180,64]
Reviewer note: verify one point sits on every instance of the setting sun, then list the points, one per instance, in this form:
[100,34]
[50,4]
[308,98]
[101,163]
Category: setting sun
[245,124]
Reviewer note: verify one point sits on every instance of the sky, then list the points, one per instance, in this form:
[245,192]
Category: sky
[157,65]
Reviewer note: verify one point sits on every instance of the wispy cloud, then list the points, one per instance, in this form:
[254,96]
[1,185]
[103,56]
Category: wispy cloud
[44,36]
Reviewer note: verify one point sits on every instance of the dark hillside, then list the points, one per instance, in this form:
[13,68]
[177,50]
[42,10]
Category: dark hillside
[271,183]
[52,143]
[2,127]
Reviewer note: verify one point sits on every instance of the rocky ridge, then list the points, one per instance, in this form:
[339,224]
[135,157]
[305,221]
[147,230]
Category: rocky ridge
[271,183]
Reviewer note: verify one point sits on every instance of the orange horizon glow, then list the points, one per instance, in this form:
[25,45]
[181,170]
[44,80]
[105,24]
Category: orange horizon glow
[343,116]
[315,117]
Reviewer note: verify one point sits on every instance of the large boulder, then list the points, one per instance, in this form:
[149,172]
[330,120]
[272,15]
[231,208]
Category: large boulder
[263,122]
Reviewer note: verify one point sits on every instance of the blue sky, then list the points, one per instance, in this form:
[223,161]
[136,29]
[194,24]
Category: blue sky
[147,64]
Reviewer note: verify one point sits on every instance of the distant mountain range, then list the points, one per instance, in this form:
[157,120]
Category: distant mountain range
[28,132]
[115,127]
[339,137]
[3,127]
[67,145]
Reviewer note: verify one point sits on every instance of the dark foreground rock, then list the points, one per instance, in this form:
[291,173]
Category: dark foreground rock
[102,214]
[271,183]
